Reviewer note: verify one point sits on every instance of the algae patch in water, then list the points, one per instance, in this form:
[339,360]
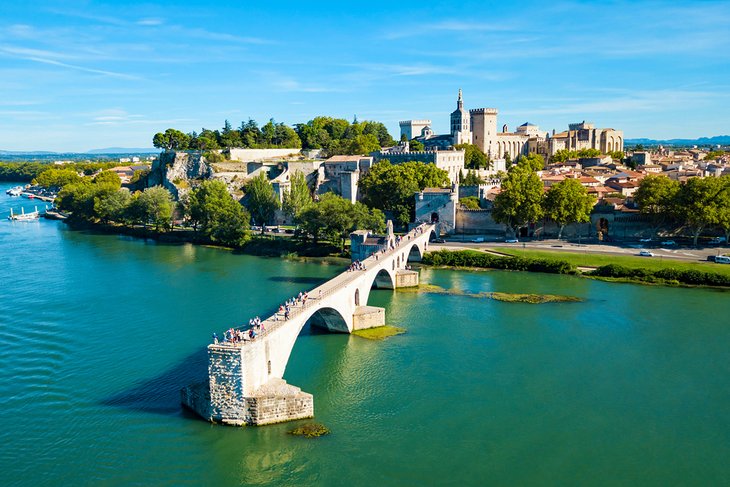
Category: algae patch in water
[533,298]
[505,297]
[310,430]
[379,332]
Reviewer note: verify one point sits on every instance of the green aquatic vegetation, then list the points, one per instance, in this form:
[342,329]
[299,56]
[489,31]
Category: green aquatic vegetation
[379,332]
[532,298]
[310,430]
[499,296]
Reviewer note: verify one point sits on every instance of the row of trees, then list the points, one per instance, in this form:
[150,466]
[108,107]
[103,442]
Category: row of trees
[523,200]
[248,135]
[338,136]
[563,155]
[333,135]
[29,171]
[697,204]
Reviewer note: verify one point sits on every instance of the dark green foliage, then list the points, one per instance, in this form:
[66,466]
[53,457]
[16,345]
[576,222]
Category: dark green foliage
[474,158]
[392,187]
[338,136]
[212,210]
[27,171]
[470,202]
[689,276]
[334,218]
[471,179]
[472,258]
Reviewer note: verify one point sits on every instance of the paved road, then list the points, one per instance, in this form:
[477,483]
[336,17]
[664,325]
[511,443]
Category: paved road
[683,253]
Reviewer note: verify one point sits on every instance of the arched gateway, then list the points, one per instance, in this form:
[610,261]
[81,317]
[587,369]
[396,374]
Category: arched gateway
[245,379]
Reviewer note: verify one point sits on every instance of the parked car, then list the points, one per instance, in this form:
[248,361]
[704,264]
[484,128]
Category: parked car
[438,240]
[717,240]
[646,253]
[722,259]
[645,240]
[711,258]
[511,240]
[478,240]
[669,243]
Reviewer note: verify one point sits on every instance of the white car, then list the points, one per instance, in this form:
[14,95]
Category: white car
[645,240]
[478,240]
[646,253]
[669,242]
[511,240]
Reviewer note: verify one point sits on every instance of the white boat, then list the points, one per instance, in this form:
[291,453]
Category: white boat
[24,217]
[16,191]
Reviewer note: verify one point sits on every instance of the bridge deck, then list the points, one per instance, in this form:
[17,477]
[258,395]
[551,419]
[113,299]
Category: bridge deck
[322,291]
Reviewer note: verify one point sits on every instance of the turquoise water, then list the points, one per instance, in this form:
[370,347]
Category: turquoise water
[99,332]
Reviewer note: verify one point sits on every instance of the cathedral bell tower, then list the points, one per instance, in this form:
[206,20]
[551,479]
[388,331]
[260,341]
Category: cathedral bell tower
[460,123]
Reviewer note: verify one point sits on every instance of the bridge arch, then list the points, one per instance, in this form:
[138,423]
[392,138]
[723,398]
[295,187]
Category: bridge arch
[383,280]
[328,318]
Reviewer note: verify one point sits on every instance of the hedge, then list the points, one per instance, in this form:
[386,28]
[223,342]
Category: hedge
[691,276]
[472,258]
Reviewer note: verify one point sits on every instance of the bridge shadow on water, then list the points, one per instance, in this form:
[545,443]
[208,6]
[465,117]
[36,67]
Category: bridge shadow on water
[161,393]
[299,279]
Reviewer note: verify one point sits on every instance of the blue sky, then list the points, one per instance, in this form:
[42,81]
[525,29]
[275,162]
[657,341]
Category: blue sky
[78,75]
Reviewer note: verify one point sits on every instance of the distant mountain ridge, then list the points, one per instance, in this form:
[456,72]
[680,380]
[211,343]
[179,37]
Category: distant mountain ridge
[716,140]
[108,150]
[123,150]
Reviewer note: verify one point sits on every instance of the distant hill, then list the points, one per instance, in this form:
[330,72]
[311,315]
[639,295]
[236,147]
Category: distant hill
[716,140]
[123,150]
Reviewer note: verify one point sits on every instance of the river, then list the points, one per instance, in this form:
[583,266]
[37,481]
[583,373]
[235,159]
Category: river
[99,332]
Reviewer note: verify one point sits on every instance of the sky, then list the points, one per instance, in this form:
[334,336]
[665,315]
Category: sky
[77,75]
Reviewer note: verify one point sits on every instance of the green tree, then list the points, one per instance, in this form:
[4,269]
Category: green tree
[153,206]
[392,188]
[112,206]
[657,198]
[416,146]
[723,207]
[474,158]
[587,153]
[172,139]
[57,178]
[520,200]
[213,211]
[470,202]
[698,204]
[617,155]
[568,202]
[363,144]
[108,177]
[261,200]
[334,218]
[534,161]
[298,197]
[562,155]
[471,179]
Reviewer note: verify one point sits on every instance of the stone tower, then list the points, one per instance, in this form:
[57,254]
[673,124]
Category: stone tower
[484,130]
[460,123]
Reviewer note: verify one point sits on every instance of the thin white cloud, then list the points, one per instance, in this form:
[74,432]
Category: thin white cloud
[453,26]
[82,68]
[150,22]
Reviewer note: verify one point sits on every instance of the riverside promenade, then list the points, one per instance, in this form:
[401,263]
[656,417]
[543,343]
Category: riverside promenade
[245,382]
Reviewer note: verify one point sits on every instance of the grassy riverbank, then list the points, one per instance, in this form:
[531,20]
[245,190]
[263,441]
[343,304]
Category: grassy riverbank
[587,259]
[629,270]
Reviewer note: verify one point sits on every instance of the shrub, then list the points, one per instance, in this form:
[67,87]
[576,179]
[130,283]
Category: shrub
[472,258]
[689,276]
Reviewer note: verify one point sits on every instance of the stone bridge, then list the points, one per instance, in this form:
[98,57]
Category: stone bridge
[245,379]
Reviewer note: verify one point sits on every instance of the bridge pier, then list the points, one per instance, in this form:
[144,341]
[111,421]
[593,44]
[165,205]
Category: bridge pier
[223,398]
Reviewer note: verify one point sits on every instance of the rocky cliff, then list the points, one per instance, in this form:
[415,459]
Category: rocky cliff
[173,170]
